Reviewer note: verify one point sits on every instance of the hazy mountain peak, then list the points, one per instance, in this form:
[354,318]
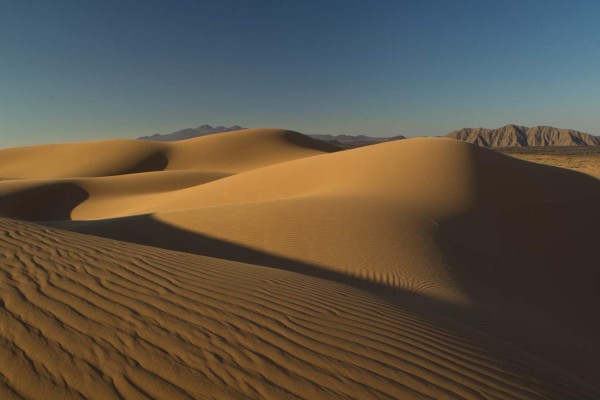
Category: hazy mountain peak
[349,141]
[190,133]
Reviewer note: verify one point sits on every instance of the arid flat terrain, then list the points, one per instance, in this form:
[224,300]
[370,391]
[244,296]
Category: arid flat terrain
[579,158]
[263,264]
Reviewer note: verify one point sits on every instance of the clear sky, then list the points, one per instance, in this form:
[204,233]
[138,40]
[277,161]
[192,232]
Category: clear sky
[84,70]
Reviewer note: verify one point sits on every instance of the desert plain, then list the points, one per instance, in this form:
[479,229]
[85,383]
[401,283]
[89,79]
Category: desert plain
[263,264]
[584,159]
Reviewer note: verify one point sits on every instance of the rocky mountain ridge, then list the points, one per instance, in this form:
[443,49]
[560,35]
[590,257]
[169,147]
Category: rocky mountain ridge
[506,136]
[522,136]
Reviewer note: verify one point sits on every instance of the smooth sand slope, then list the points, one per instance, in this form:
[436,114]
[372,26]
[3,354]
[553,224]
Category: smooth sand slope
[475,259]
[226,153]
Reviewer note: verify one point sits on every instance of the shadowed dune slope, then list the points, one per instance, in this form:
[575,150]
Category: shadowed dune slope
[226,153]
[85,317]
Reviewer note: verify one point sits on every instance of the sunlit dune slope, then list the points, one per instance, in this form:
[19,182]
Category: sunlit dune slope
[225,153]
[86,317]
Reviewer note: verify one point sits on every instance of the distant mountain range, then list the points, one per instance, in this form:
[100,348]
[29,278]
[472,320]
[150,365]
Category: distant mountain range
[344,141]
[348,141]
[190,133]
[522,136]
[506,136]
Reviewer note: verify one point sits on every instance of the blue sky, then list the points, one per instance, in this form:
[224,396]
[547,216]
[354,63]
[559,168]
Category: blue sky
[85,70]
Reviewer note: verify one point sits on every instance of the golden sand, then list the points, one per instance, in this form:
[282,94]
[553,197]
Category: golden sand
[263,264]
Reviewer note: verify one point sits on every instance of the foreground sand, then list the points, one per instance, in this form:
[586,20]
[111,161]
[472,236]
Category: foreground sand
[424,268]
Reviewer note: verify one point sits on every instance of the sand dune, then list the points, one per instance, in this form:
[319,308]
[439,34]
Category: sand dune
[93,318]
[423,268]
[56,199]
[226,153]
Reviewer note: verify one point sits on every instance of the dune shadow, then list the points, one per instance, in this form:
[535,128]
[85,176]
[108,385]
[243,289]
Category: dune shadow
[145,230]
[51,202]
[154,162]
[531,238]
[533,231]
[310,143]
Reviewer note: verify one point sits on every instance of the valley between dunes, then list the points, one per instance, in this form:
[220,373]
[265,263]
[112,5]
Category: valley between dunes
[263,264]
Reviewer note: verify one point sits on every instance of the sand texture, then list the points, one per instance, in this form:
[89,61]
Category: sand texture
[264,264]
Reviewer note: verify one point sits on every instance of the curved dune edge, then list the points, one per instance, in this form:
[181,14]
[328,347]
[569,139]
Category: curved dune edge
[229,152]
[91,317]
[111,196]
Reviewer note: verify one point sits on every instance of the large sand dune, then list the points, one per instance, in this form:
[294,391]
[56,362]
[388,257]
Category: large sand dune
[424,268]
[233,152]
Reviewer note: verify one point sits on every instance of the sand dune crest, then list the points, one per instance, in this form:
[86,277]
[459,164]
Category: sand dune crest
[229,152]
